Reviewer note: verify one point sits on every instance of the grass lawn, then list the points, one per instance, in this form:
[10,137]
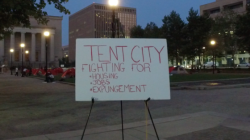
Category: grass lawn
[200,77]
[70,80]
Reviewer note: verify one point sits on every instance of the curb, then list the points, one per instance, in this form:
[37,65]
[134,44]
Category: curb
[209,87]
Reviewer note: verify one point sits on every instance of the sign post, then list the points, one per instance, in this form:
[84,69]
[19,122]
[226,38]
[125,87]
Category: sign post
[122,69]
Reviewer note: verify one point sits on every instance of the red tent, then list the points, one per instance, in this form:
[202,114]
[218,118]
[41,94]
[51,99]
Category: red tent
[37,70]
[52,71]
[171,69]
[69,72]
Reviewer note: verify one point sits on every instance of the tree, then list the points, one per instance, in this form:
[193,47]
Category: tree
[65,62]
[197,32]
[151,30]
[192,39]
[17,13]
[137,32]
[172,30]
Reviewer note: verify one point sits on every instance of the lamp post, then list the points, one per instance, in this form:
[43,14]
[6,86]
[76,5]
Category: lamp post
[11,51]
[26,53]
[204,49]
[233,47]
[46,34]
[212,42]
[22,46]
[113,3]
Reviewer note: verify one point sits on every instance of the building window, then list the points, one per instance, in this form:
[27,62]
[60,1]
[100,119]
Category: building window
[26,57]
[37,55]
[235,6]
[215,11]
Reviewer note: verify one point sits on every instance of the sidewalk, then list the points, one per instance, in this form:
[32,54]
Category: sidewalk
[166,128]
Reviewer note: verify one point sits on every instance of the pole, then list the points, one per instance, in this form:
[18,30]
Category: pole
[46,67]
[118,28]
[122,121]
[113,36]
[113,23]
[22,63]
[213,62]
[204,57]
[88,118]
[11,64]
[146,102]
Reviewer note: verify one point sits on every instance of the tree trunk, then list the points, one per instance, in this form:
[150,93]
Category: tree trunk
[177,57]
[199,61]
[215,62]
[192,66]
[233,60]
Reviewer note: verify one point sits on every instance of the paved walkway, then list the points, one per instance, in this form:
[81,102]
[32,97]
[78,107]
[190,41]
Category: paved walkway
[166,128]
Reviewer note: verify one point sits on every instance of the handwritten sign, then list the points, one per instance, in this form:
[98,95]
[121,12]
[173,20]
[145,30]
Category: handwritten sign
[122,69]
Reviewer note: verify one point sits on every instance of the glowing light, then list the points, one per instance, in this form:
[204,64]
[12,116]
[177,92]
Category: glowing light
[22,45]
[113,2]
[46,33]
[212,42]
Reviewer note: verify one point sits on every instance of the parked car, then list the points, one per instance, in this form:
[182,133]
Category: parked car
[243,64]
[210,65]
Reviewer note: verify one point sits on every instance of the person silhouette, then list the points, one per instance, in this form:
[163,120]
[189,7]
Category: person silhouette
[16,71]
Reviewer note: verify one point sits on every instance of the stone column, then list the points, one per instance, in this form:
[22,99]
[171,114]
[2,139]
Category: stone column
[1,50]
[52,48]
[42,48]
[12,44]
[22,41]
[244,4]
[33,48]
[12,41]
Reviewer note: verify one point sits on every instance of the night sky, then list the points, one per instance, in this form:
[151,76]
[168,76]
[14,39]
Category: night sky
[147,10]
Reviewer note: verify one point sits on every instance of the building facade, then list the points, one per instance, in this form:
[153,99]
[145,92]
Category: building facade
[214,9]
[95,21]
[35,42]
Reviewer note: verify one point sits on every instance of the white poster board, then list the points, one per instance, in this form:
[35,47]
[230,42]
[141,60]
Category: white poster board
[121,69]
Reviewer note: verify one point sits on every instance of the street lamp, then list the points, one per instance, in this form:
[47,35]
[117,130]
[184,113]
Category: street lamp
[212,42]
[22,46]
[232,46]
[11,51]
[27,52]
[46,34]
[113,3]
[204,49]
